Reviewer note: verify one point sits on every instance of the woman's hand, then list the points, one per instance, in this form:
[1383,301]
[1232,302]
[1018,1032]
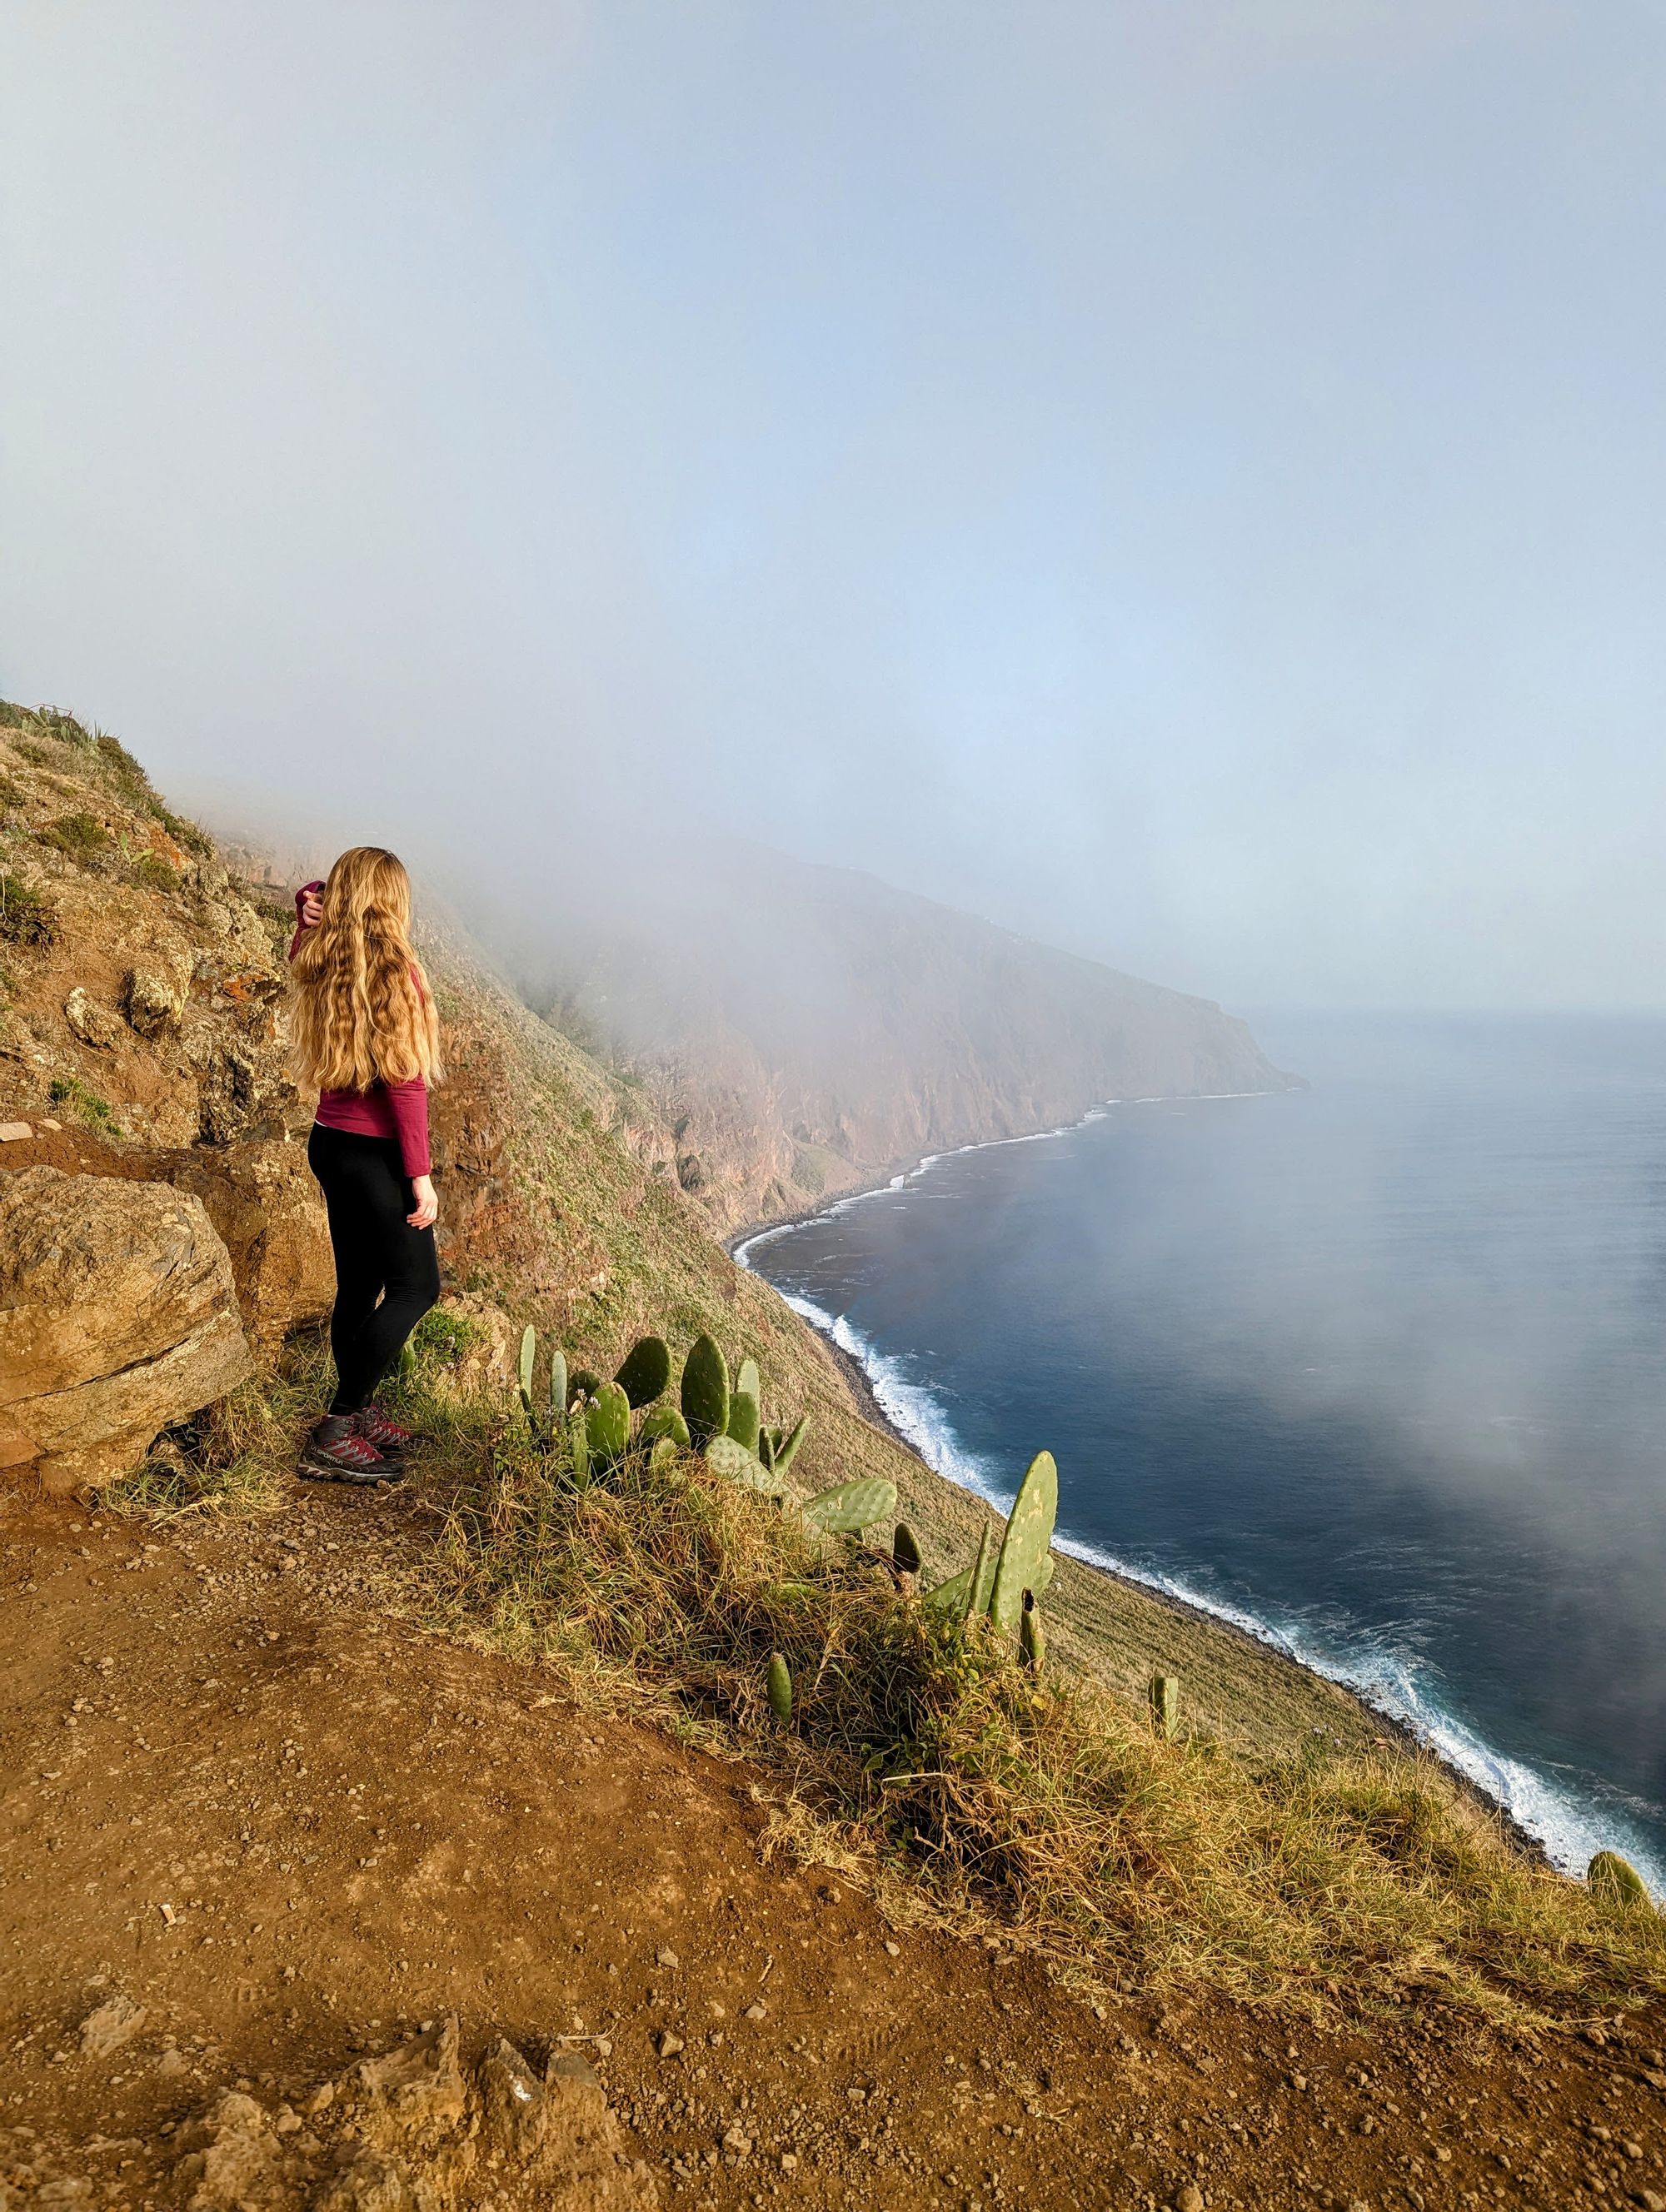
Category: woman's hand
[312,909]
[428,1205]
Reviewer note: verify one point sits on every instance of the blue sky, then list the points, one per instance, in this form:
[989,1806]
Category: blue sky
[1184,480]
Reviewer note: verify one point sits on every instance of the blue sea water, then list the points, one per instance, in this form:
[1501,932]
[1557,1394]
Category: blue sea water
[1377,1369]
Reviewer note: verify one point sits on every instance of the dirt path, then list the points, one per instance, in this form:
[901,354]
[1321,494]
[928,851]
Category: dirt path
[293,1832]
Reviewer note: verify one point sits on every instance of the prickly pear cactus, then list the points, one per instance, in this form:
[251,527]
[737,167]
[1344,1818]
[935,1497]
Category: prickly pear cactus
[766,1445]
[1164,1695]
[851,1507]
[949,1597]
[982,1575]
[665,1449]
[787,1447]
[578,1448]
[585,1384]
[726,1458]
[1616,1880]
[904,1550]
[778,1683]
[743,1419]
[664,1424]
[559,1400]
[644,1371]
[528,1356]
[1032,1637]
[608,1423]
[1025,1547]
[706,1391]
[746,1379]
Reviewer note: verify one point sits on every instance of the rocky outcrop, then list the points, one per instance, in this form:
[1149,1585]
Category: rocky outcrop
[417,2131]
[262,1198]
[117,1316]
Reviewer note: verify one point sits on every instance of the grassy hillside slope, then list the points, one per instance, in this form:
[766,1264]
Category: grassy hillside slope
[1280,1847]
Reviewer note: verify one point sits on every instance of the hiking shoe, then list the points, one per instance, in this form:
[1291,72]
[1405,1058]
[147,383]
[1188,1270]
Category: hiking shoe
[334,1454]
[386,1436]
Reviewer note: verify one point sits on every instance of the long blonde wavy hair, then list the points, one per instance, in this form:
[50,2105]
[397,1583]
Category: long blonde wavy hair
[360,1008]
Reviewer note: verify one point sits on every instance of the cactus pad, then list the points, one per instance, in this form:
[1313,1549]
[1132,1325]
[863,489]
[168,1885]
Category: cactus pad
[1164,1696]
[528,1355]
[559,1400]
[608,1423]
[725,1456]
[706,1391]
[743,1419]
[1616,1880]
[644,1371]
[665,1449]
[904,1550]
[746,1379]
[1025,1547]
[851,1507]
[983,1573]
[1032,1637]
[778,1683]
[951,1596]
[585,1383]
[786,1447]
[664,1422]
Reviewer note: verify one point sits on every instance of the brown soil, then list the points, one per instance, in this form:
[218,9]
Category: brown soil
[293,1830]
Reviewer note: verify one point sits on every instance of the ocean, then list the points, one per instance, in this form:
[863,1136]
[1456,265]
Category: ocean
[1377,1370]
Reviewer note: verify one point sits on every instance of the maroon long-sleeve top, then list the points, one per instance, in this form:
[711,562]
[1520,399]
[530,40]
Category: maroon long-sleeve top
[399,1111]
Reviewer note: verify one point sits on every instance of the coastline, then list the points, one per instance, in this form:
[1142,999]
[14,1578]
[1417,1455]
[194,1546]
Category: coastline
[1395,1726]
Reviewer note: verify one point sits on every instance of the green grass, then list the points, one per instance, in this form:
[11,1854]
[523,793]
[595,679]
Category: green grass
[70,1092]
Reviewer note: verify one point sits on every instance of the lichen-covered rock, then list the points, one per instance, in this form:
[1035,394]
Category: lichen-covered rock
[155,1004]
[93,1024]
[118,1315]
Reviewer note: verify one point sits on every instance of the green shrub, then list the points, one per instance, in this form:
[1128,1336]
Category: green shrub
[81,836]
[443,1336]
[153,874]
[26,918]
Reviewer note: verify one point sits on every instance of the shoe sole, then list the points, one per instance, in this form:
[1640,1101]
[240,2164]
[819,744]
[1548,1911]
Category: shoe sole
[315,1470]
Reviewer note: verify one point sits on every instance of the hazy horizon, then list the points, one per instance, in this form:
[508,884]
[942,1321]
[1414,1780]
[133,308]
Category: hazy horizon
[1188,484]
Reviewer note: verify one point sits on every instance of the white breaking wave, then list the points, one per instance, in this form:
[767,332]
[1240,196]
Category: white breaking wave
[1562,1818]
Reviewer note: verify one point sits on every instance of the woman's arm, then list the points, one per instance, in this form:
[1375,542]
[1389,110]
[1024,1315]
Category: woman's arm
[409,1104]
[309,911]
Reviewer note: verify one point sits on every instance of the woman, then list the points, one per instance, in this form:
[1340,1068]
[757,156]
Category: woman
[363,1034]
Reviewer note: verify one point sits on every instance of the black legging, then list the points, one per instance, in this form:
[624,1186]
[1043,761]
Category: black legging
[378,1253]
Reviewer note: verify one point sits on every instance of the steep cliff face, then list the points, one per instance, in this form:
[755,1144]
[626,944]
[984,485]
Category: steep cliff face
[813,1028]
